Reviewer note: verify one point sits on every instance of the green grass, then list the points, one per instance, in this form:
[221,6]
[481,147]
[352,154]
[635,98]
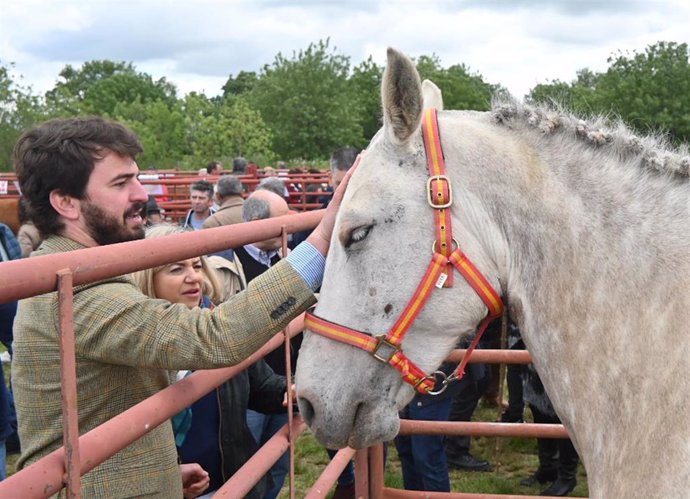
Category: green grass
[513,459]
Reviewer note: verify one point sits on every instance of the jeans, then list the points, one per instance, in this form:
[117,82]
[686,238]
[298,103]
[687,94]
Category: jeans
[264,426]
[423,457]
[3,460]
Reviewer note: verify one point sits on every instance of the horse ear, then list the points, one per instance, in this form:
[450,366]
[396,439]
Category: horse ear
[401,96]
[432,95]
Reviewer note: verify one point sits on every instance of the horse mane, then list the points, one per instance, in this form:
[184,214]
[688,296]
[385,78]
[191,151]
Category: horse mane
[653,152]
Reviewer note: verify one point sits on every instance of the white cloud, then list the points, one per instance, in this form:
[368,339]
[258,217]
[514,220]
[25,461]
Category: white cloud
[196,45]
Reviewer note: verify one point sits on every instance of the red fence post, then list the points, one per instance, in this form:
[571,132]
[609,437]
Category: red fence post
[68,380]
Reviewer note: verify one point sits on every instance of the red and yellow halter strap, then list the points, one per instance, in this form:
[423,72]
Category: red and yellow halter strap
[439,273]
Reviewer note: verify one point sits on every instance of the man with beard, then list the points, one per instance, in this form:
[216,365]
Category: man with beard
[79,176]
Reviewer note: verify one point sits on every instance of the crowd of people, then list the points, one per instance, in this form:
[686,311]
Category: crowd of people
[137,334]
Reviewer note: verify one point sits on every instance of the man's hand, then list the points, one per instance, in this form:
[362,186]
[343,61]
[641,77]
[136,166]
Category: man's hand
[320,238]
[195,480]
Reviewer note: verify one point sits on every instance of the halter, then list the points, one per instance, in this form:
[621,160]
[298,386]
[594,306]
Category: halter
[388,348]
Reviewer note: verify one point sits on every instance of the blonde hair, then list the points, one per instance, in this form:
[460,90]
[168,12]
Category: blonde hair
[144,278]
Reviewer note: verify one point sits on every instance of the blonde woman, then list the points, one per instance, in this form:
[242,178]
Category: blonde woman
[213,431]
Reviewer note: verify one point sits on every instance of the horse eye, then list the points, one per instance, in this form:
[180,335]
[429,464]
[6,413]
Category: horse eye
[357,235]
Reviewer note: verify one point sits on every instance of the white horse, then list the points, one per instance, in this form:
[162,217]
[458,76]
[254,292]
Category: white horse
[585,229]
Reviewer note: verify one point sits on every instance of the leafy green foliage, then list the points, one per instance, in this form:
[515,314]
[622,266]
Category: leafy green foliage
[19,109]
[301,108]
[649,91]
[461,89]
[307,103]
[98,86]
[233,129]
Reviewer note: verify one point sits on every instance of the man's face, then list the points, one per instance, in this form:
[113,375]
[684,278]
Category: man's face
[115,201]
[201,202]
[338,176]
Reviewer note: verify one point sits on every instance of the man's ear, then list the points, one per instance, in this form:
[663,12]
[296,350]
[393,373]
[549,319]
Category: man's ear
[67,206]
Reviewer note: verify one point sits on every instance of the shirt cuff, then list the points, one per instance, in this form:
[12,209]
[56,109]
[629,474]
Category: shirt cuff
[309,264]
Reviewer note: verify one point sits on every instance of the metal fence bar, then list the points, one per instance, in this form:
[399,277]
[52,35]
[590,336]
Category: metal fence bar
[34,276]
[476,429]
[68,384]
[330,475]
[260,463]
[389,493]
[376,465]
[362,471]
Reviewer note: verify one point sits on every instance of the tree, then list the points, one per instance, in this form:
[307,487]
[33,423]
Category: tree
[244,82]
[461,89]
[19,109]
[366,82]
[235,129]
[99,86]
[650,89]
[161,129]
[308,103]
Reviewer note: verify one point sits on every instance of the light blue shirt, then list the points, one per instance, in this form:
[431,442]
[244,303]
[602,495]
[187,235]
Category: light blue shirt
[309,264]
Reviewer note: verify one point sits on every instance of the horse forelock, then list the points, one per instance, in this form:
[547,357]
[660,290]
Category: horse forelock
[653,152]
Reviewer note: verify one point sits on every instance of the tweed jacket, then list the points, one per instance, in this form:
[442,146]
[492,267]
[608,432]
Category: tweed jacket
[230,212]
[126,345]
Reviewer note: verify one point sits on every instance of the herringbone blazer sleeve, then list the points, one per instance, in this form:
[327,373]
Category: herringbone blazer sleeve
[117,324]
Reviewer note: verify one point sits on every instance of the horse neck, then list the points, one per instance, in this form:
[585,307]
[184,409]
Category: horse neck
[573,222]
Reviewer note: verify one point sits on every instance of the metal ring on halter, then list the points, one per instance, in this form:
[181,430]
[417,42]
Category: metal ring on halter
[455,242]
[437,376]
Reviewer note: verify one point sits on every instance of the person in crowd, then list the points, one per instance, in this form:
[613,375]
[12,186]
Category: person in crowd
[152,212]
[515,411]
[341,161]
[213,431]
[28,236]
[201,198]
[274,184]
[214,168]
[230,201]
[269,171]
[80,178]
[558,458]
[466,396]
[9,250]
[256,259]
[423,457]
[239,166]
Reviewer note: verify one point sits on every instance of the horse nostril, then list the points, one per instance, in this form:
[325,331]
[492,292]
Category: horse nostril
[306,409]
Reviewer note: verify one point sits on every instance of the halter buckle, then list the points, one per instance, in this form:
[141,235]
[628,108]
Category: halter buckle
[389,349]
[430,191]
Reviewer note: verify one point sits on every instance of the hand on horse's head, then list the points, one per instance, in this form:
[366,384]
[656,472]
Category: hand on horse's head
[320,238]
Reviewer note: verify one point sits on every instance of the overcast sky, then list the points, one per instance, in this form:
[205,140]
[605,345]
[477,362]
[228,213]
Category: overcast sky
[196,44]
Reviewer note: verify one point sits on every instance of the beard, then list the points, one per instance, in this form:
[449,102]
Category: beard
[107,229]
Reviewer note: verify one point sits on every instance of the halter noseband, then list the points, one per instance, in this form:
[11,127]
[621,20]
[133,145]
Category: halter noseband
[388,348]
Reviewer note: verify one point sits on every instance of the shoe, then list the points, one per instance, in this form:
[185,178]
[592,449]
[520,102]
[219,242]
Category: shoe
[468,462]
[507,418]
[559,488]
[344,492]
[539,476]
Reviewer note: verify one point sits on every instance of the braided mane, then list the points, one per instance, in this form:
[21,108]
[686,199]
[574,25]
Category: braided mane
[653,152]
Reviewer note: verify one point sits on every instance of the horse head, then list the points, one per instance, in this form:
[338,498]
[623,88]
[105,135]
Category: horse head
[381,247]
